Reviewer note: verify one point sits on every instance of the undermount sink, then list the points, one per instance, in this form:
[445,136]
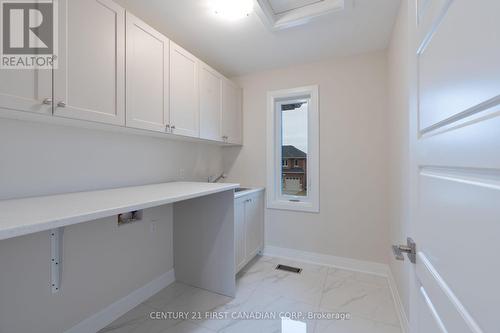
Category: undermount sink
[241,189]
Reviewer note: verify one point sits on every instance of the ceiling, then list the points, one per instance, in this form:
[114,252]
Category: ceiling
[248,45]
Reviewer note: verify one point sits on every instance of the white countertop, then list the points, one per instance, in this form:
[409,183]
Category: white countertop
[30,215]
[247,191]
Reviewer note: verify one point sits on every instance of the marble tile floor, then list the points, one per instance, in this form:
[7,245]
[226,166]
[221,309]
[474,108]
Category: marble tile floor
[263,291]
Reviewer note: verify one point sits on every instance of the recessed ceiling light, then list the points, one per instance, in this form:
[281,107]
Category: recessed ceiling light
[232,9]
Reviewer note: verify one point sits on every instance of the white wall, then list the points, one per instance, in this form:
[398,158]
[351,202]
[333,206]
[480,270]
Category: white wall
[39,159]
[399,148]
[102,262]
[353,221]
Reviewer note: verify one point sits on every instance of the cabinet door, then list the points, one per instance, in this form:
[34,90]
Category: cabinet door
[254,224]
[231,113]
[26,90]
[210,103]
[184,103]
[147,76]
[90,83]
[239,230]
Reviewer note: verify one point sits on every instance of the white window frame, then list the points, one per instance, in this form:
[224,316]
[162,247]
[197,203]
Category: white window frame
[275,199]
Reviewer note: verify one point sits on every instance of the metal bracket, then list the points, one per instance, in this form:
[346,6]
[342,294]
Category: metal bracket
[410,249]
[56,238]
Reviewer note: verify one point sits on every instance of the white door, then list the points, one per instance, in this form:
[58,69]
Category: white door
[254,223]
[147,76]
[239,230]
[231,113]
[90,82]
[184,102]
[455,138]
[210,103]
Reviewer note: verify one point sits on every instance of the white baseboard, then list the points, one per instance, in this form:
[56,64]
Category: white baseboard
[114,311]
[349,264]
[403,319]
[328,260]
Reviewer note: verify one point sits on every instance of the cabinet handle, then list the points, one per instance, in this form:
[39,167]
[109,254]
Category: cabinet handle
[47,101]
[61,104]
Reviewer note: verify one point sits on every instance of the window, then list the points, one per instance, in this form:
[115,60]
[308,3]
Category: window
[293,139]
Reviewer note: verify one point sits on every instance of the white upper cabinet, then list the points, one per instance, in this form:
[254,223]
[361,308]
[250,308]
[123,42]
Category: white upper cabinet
[26,90]
[115,69]
[147,77]
[90,82]
[184,98]
[231,113]
[210,103]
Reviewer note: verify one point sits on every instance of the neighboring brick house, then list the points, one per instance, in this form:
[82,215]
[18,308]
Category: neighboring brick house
[294,170]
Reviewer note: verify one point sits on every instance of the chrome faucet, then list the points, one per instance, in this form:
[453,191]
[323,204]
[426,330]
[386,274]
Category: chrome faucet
[212,180]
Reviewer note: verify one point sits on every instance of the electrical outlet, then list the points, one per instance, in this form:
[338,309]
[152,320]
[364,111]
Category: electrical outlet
[153,227]
[182,173]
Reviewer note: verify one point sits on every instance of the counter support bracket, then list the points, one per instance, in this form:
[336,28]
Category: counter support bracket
[56,238]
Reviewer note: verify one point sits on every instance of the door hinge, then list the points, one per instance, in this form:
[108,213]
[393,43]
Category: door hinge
[410,249]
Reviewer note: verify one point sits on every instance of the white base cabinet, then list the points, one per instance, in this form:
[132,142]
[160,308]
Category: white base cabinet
[239,233]
[248,227]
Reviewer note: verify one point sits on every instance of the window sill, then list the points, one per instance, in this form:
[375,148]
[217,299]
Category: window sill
[307,207]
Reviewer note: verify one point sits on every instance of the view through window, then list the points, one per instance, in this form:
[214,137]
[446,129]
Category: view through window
[294,147]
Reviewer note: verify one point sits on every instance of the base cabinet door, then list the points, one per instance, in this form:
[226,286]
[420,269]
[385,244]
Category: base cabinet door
[90,81]
[184,97]
[147,77]
[231,113]
[254,224]
[239,230]
[249,228]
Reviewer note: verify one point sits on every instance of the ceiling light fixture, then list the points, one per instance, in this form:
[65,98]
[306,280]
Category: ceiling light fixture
[232,9]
